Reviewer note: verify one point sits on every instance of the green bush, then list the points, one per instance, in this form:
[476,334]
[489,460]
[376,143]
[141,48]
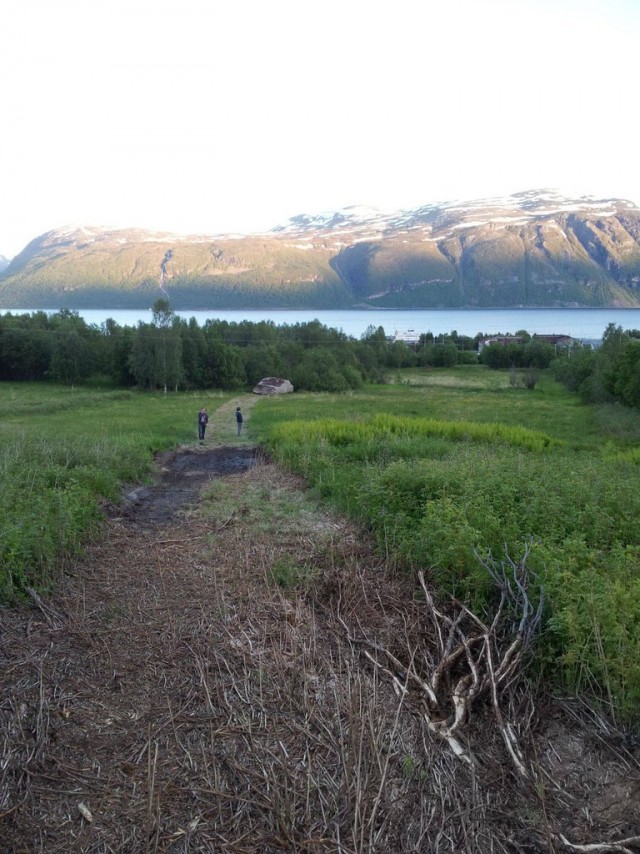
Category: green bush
[440,495]
[595,622]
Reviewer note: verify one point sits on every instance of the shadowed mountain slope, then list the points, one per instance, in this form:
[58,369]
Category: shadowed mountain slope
[531,249]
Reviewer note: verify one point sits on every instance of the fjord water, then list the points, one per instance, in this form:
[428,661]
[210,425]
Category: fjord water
[582,323]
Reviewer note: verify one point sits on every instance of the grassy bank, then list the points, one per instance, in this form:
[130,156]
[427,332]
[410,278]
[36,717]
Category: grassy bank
[62,451]
[448,468]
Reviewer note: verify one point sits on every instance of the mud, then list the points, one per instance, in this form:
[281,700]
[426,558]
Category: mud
[180,478]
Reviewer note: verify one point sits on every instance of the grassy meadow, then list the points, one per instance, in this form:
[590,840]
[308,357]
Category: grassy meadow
[448,469]
[452,468]
[64,450]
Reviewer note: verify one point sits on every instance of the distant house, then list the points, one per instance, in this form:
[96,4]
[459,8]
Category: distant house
[409,336]
[504,340]
[556,341]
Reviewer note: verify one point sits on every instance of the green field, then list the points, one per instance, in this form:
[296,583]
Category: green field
[451,468]
[62,451]
[445,468]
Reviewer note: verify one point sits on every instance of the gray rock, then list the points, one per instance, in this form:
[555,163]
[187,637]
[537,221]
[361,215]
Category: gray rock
[273,385]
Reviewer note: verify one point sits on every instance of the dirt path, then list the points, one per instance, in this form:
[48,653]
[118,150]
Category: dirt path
[184,472]
[222,427]
[190,688]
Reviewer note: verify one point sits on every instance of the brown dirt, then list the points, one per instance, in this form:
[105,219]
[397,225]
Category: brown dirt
[171,696]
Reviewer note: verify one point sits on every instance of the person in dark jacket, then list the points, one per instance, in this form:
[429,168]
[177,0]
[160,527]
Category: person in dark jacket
[239,419]
[203,420]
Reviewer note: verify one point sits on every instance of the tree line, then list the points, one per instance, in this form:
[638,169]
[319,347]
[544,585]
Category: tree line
[172,353]
[609,374]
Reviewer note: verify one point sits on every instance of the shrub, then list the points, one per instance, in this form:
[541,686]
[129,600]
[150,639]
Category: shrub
[438,495]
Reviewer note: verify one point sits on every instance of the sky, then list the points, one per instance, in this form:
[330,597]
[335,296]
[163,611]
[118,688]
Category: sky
[219,116]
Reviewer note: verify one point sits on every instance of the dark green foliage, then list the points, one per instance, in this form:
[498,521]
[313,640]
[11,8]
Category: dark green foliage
[319,369]
[537,354]
[575,369]
[624,379]
[25,353]
[532,353]
[611,373]
[263,360]
[222,366]
[193,351]
[156,355]
[440,355]
[71,359]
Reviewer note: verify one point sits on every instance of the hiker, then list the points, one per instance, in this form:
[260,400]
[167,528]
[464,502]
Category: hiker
[239,420]
[203,420]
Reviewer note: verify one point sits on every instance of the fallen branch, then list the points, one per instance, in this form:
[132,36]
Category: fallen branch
[51,616]
[620,847]
[472,659]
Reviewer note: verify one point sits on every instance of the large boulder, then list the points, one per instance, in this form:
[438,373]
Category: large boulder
[273,385]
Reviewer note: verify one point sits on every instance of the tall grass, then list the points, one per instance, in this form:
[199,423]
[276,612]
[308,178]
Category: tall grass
[62,452]
[385,426]
[438,492]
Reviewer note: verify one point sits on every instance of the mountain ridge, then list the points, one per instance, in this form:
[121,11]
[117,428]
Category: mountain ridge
[536,248]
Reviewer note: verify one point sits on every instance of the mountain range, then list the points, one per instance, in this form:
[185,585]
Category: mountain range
[536,248]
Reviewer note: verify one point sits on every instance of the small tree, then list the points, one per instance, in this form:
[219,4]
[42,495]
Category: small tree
[169,352]
[71,358]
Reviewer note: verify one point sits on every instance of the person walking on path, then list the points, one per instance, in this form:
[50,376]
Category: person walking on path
[239,419]
[203,420]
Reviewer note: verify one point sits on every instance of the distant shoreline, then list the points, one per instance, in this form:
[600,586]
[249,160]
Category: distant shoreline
[581,323]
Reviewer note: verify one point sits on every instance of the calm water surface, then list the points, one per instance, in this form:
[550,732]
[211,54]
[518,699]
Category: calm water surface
[583,323]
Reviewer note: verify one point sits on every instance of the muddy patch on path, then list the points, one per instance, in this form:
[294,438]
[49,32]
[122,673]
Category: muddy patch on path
[180,480]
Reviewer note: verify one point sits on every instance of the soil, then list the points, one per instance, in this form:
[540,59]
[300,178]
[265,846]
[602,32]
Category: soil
[182,478]
[192,684]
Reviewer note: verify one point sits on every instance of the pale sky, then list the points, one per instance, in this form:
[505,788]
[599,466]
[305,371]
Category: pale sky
[216,116]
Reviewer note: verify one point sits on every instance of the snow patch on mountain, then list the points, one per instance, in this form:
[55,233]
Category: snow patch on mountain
[516,209]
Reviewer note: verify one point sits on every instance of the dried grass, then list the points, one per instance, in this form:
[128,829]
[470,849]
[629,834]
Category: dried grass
[171,698]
